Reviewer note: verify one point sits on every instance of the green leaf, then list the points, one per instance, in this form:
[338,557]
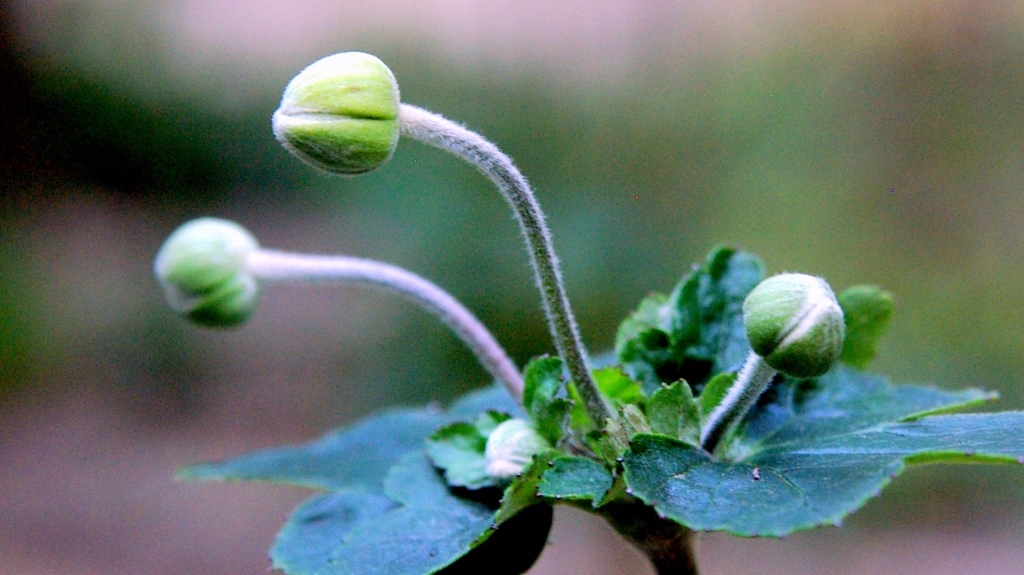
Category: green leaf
[867,310]
[543,382]
[696,331]
[522,492]
[672,411]
[355,457]
[708,305]
[427,530]
[616,386]
[820,450]
[714,392]
[575,478]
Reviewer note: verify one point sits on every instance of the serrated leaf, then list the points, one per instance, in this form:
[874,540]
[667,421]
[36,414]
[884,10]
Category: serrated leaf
[617,387]
[430,530]
[355,457]
[708,305]
[820,450]
[697,330]
[867,310]
[543,382]
[574,479]
[673,411]
[522,492]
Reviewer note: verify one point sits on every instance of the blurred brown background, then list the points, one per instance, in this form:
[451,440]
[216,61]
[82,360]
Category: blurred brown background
[863,141]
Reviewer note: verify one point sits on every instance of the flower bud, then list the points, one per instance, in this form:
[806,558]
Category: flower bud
[202,268]
[511,447]
[340,114]
[795,323]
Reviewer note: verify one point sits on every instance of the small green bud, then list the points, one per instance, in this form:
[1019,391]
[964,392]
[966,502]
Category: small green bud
[340,114]
[511,447]
[795,323]
[202,268]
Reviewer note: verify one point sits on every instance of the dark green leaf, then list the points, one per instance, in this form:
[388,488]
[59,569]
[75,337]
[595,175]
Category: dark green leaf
[543,382]
[672,411]
[617,386]
[815,451]
[355,457]
[423,528]
[708,305]
[867,310]
[575,478]
[311,535]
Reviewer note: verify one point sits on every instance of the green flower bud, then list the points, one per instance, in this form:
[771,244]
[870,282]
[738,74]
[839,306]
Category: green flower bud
[340,114]
[202,268]
[511,447]
[795,323]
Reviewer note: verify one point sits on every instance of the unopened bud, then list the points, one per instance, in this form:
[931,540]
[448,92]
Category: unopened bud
[795,323]
[511,447]
[202,268]
[340,114]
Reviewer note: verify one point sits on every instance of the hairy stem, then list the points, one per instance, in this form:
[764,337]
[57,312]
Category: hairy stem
[751,382]
[442,133]
[670,547]
[274,265]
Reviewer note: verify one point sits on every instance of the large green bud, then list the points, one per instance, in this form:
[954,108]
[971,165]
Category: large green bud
[340,114]
[795,323]
[203,269]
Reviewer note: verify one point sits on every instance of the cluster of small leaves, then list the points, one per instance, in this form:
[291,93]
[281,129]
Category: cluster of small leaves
[408,491]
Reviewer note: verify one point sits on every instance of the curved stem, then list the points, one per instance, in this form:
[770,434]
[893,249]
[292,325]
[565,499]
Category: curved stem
[274,265]
[751,382]
[442,133]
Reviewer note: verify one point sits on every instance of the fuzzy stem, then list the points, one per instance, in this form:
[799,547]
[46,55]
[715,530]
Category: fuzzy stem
[435,130]
[751,382]
[282,266]
[670,547]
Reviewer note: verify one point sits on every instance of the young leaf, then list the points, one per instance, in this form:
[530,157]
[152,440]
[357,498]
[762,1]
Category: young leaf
[714,392]
[522,492]
[617,386]
[707,322]
[815,454]
[574,479]
[672,411]
[867,310]
[695,331]
[543,381]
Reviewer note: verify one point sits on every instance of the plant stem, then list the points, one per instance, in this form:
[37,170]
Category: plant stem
[435,130]
[274,265]
[751,382]
[670,547]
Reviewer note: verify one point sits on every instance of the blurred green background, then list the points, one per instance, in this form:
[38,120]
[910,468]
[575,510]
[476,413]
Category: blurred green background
[867,142]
